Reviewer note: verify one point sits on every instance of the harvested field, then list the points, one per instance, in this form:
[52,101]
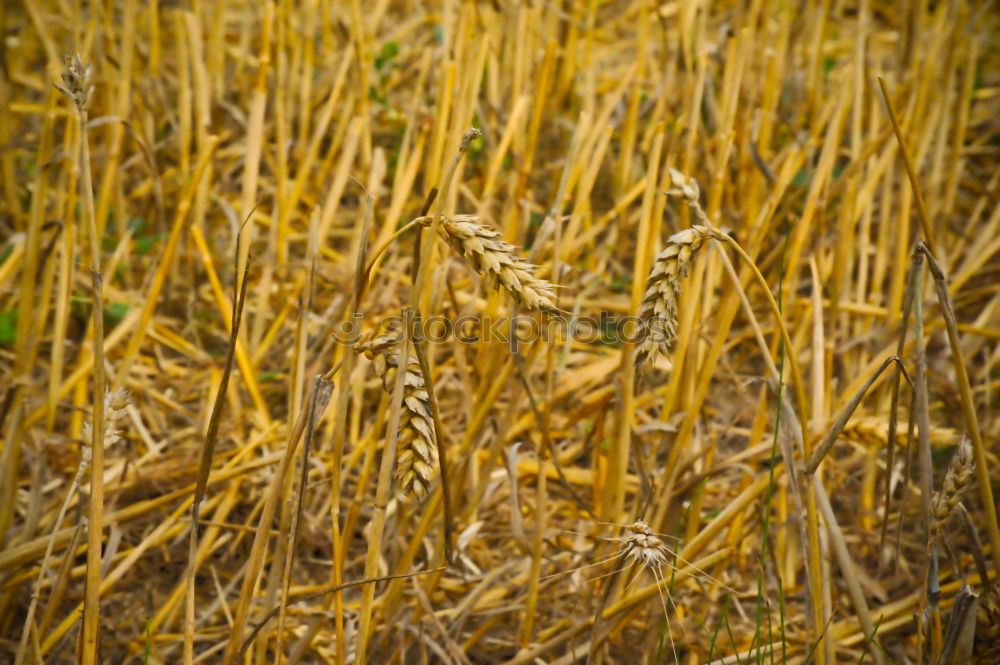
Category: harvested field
[499,332]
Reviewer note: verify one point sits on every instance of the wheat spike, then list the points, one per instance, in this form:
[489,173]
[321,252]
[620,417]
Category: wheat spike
[658,313]
[986,649]
[115,404]
[78,79]
[956,482]
[643,547]
[874,431]
[416,446]
[495,260]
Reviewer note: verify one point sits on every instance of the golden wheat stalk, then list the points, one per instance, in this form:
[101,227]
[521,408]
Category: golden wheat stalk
[115,405]
[493,258]
[416,448]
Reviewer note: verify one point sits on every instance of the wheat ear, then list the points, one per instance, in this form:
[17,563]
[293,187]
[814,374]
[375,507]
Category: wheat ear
[495,260]
[956,481]
[115,404]
[658,313]
[643,547]
[416,448]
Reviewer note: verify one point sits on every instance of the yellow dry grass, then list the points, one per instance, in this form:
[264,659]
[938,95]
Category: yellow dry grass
[295,142]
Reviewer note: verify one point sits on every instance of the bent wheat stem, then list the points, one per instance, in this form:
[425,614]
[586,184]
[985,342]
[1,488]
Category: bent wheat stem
[79,88]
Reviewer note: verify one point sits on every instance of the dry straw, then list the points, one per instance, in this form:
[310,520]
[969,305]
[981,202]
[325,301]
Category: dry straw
[115,405]
[416,451]
[78,79]
[495,260]
[308,89]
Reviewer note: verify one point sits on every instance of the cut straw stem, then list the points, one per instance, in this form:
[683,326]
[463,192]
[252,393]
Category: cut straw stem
[968,408]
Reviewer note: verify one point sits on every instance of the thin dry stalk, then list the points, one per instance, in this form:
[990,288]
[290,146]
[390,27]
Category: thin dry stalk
[382,491]
[426,249]
[904,153]
[320,399]
[78,80]
[968,406]
[848,569]
[60,582]
[114,411]
[340,435]
[258,550]
[306,297]
[207,453]
[421,353]
[922,409]
[830,438]
[907,307]
[10,459]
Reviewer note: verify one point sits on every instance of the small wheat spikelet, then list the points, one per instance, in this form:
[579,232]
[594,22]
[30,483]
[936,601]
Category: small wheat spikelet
[416,451]
[495,260]
[115,404]
[643,547]
[78,79]
[658,313]
[956,482]
[684,187]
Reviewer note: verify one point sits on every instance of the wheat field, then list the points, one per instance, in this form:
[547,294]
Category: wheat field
[697,302]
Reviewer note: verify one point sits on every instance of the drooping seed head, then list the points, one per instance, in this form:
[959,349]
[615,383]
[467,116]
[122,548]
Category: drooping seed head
[416,442]
[658,312]
[491,257]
